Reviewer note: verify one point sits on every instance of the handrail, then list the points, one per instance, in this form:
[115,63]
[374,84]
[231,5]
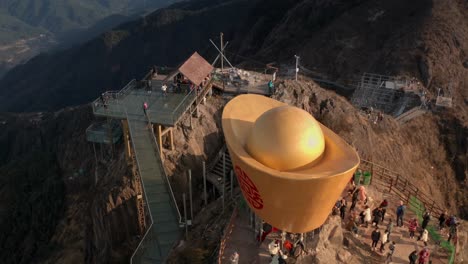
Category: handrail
[164,171]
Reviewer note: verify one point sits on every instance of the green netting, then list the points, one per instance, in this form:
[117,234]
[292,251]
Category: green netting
[418,208]
[357,177]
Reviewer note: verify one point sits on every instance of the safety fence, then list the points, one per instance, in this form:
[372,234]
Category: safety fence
[400,186]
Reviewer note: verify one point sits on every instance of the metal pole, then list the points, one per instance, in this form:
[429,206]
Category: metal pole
[232,182]
[297,65]
[190,193]
[222,51]
[185,216]
[224,177]
[204,184]
[95,167]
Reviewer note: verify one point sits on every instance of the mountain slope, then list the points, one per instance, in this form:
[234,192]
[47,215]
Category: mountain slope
[340,39]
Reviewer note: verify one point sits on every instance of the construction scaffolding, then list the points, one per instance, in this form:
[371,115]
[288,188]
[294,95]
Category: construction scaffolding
[392,95]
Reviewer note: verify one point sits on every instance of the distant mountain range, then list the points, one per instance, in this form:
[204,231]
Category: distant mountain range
[340,39]
[60,16]
[28,27]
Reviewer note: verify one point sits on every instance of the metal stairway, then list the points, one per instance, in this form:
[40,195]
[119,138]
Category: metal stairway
[215,171]
[163,230]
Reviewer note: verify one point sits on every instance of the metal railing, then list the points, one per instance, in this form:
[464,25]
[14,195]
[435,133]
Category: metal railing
[112,97]
[400,185]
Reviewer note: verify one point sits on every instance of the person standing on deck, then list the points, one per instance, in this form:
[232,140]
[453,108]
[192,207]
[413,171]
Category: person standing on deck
[145,108]
[164,89]
[148,88]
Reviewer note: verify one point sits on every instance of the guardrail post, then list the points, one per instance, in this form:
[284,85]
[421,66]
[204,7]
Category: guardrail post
[408,198]
[432,206]
[232,182]
[204,184]
[185,216]
[391,185]
[190,193]
[224,177]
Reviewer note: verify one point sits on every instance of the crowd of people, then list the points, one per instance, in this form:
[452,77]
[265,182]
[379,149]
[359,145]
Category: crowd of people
[361,216]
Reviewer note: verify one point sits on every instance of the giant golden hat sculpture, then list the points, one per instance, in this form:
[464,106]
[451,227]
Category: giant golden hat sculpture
[291,168]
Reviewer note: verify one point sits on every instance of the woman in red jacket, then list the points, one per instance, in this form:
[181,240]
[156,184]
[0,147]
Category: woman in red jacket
[413,225]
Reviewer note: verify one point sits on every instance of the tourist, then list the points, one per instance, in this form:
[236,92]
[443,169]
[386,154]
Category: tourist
[149,88]
[383,241]
[425,222]
[352,226]
[424,256]
[367,215]
[282,257]
[362,194]
[400,212]
[145,108]
[164,89]
[413,257]
[389,227]
[271,87]
[354,199]
[413,225]
[390,252]
[442,219]
[273,248]
[343,208]
[336,208]
[424,235]
[384,205]
[375,236]
[234,258]
[377,214]
[452,232]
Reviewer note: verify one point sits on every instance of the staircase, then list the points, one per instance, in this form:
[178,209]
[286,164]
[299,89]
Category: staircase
[163,231]
[215,171]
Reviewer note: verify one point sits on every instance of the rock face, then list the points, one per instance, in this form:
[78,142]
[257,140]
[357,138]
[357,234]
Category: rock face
[326,244]
[330,241]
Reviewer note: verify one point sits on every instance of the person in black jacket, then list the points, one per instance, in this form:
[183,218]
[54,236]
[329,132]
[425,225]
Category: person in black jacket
[375,236]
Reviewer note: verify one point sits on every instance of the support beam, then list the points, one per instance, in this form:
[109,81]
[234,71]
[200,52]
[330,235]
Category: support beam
[185,216]
[171,135]
[190,193]
[160,138]
[204,184]
[128,146]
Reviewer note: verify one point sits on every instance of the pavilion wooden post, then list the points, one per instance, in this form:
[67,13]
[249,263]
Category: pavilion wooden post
[171,134]
[160,138]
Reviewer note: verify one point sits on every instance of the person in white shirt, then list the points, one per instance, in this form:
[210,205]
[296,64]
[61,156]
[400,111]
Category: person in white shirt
[164,89]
